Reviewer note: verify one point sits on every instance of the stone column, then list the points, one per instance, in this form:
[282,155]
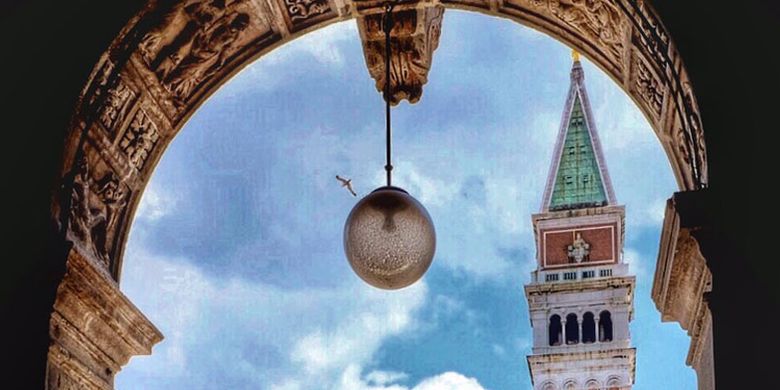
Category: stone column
[682,278]
[94,329]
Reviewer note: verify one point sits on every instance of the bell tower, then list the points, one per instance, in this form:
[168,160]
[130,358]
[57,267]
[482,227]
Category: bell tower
[581,296]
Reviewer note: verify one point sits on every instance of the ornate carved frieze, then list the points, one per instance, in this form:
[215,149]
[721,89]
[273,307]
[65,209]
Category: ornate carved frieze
[682,151]
[140,137]
[599,22]
[414,38]
[118,103]
[477,4]
[653,43]
[691,110]
[299,14]
[650,36]
[94,329]
[99,199]
[648,88]
[195,41]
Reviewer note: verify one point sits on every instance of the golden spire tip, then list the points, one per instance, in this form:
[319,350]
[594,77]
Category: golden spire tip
[575,55]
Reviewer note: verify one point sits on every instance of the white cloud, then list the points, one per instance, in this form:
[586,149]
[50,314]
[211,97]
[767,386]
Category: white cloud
[323,46]
[426,188]
[449,381]
[385,377]
[351,380]
[636,265]
[656,210]
[360,333]
[155,203]
[234,327]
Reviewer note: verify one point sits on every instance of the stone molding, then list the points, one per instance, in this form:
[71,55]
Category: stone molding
[682,280]
[413,39]
[94,329]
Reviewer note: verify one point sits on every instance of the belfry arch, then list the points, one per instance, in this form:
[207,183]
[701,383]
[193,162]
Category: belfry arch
[172,55]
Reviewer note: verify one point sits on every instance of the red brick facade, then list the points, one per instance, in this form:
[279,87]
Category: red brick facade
[602,239]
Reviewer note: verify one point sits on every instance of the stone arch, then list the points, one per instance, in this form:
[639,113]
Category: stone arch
[605,331]
[592,384]
[588,328]
[548,385]
[613,383]
[555,331]
[172,55]
[572,329]
[570,384]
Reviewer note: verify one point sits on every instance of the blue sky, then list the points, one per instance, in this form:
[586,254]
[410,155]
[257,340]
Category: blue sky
[236,249]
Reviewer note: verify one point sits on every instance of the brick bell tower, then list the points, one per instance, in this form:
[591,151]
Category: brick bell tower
[580,297]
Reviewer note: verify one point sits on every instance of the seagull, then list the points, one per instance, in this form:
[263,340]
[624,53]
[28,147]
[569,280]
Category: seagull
[346,183]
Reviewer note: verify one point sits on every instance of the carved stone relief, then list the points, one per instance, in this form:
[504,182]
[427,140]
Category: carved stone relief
[682,150]
[651,37]
[413,39]
[98,201]
[647,87]
[118,103]
[300,14]
[681,280]
[652,42]
[691,109]
[139,139]
[196,39]
[94,329]
[598,21]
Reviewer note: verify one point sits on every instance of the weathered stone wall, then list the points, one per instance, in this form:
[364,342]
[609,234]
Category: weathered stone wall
[682,279]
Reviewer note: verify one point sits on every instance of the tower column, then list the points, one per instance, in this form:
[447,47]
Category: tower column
[597,320]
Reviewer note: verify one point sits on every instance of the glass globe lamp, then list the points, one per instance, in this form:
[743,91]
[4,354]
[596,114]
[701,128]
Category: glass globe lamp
[389,239]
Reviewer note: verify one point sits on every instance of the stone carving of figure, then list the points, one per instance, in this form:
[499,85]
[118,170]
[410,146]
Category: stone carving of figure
[605,20]
[595,18]
[207,53]
[578,250]
[80,217]
[95,214]
[164,47]
[112,202]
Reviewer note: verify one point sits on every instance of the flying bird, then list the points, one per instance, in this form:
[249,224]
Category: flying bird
[346,183]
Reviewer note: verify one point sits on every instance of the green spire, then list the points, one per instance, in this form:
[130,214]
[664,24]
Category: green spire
[578,182]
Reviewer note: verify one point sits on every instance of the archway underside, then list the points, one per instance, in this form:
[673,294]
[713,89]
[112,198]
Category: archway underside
[170,58]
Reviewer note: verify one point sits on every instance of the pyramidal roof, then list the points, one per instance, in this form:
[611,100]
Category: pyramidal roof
[578,174]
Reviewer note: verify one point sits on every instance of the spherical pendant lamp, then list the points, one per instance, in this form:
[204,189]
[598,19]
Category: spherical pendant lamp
[389,238]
